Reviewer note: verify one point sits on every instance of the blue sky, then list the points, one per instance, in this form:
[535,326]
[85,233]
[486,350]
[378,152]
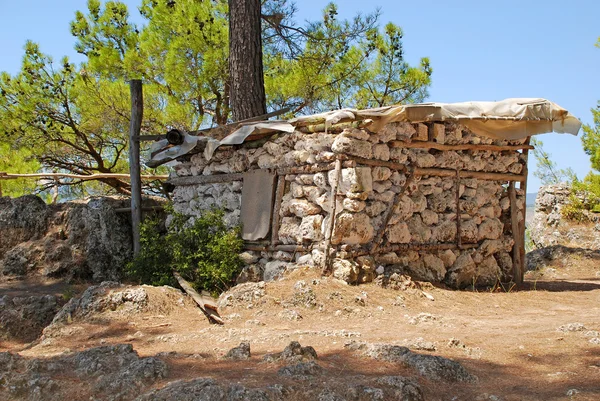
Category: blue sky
[479,50]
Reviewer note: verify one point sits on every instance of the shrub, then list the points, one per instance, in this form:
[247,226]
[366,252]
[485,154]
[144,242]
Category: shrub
[202,249]
[584,198]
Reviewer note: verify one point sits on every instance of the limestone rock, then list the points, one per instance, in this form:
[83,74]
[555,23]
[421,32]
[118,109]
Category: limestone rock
[488,272]
[381,152]
[375,208]
[354,205]
[398,233]
[302,207]
[352,228]
[24,318]
[310,228]
[381,173]
[274,270]
[468,231]
[352,146]
[445,232]
[448,258]
[490,229]
[420,233]
[345,270]
[462,272]
[355,180]
[241,352]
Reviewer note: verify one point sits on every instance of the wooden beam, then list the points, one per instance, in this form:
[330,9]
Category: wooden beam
[338,127]
[207,305]
[276,208]
[439,146]
[205,179]
[144,209]
[481,175]
[425,247]
[514,222]
[523,186]
[458,214]
[332,207]
[137,114]
[218,178]
[265,247]
[439,172]
[9,176]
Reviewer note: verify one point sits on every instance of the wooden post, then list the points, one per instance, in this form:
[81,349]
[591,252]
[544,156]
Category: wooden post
[458,214]
[516,232]
[332,206]
[137,113]
[523,186]
[276,209]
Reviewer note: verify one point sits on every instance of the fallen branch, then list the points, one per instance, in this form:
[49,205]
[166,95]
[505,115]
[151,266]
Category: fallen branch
[206,304]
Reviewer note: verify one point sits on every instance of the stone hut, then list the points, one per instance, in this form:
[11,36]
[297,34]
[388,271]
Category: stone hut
[435,191]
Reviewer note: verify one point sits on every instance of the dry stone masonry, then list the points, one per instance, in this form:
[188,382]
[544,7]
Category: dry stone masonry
[360,202]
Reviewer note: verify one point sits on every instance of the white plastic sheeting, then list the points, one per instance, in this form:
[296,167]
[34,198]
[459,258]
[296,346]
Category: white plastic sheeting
[510,119]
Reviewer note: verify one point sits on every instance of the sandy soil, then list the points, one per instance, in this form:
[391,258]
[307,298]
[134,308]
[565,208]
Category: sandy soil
[516,340]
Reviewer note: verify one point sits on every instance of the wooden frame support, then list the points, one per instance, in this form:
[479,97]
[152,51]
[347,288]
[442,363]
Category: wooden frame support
[332,207]
[137,114]
[458,214]
[467,146]
[516,231]
[276,207]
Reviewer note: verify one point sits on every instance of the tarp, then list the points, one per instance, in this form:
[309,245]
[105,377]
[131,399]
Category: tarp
[510,119]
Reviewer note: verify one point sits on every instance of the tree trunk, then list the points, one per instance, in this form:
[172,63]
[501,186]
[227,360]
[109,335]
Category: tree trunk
[247,88]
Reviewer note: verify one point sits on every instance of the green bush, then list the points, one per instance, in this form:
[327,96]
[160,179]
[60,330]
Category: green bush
[203,250]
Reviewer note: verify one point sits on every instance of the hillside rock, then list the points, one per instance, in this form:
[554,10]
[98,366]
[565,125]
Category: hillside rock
[84,239]
[24,318]
[113,372]
[549,228]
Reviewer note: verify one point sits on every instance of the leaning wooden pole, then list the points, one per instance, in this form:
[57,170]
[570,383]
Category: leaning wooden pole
[137,113]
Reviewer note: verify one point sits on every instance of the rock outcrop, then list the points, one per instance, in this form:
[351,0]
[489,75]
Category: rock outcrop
[549,228]
[84,239]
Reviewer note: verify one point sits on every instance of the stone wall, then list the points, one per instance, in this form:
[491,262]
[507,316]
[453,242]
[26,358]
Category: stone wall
[424,218]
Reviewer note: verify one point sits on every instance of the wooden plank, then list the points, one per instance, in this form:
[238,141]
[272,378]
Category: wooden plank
[439,146]
[481,175]
[206,305]
[137,114]
[270,248]
[516,253]
[276,208]
[205,179]
[333,128]
[439,172]
[9,176]
[144,209]
[424,247]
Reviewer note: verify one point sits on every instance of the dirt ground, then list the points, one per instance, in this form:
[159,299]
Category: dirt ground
[536,342]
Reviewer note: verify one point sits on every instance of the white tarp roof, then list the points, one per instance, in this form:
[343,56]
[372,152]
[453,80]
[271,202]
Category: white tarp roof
[515,118]
[511,119]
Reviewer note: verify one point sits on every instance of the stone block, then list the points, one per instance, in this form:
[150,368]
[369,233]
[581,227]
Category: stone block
[422,133]
[352,228]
